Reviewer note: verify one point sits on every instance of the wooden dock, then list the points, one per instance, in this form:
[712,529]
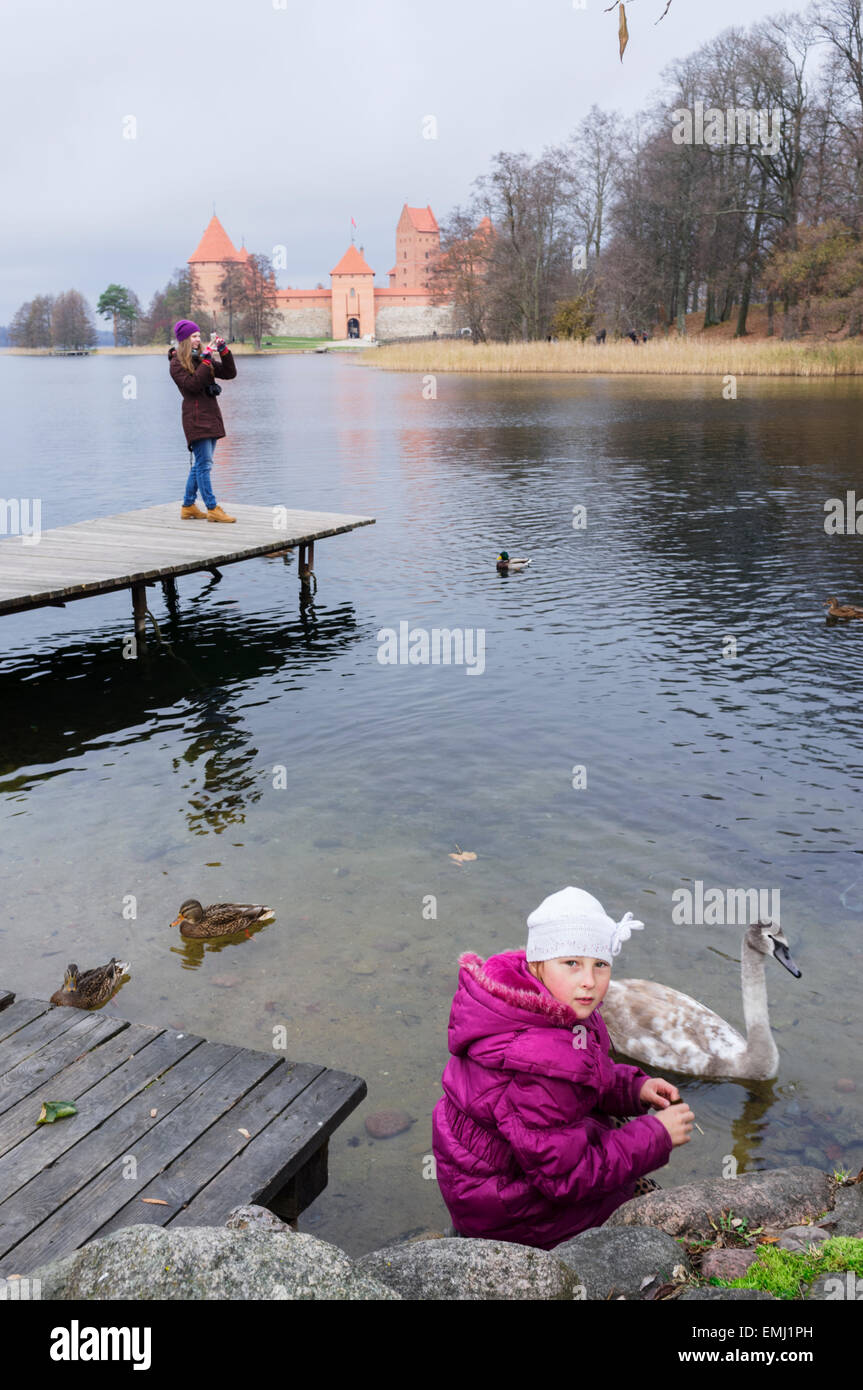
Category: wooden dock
[134,549]
[171,1130]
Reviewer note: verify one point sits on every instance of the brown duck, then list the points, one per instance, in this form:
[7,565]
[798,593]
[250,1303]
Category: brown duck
[93,987]
[835,609]
[219,919]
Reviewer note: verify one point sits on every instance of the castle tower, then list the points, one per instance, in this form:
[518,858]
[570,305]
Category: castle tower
[353,296]
[214,251]
[417,246]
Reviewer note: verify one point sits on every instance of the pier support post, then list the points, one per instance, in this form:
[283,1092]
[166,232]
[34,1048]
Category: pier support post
[139,612]
[306,562]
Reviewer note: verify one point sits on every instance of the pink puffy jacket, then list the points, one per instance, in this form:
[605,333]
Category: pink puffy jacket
[522,1147]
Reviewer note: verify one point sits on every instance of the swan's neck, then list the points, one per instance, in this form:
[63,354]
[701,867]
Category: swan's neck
[760,1045]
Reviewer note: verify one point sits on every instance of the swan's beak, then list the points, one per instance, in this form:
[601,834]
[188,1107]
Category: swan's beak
[784,956]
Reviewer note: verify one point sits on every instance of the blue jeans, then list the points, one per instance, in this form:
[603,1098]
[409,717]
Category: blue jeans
[199,474]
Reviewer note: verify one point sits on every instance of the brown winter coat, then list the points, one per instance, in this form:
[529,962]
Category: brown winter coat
[202,418]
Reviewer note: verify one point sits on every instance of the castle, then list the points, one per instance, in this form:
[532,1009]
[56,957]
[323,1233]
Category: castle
[353,306]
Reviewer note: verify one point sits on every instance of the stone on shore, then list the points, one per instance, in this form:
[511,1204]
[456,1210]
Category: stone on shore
[460,1268]
[777,1197]
[208,1262]
[628,1261]
[724,1295]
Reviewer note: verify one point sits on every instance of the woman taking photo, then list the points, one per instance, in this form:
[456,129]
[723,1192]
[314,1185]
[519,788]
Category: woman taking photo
[193,370]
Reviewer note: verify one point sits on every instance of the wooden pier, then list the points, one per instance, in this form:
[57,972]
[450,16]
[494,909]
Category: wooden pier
[170,1129]
[135,549]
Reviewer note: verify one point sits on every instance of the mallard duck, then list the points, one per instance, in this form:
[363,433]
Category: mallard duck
[93,987]
[505,564]
[835,609]
[219,919]
[666,1029]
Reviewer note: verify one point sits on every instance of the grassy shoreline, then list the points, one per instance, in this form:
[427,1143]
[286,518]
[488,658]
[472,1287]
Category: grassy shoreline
[659,357]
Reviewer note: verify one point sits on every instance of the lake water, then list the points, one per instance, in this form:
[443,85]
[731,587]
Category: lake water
[155,778]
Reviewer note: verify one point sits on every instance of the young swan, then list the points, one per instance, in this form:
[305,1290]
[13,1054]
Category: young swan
[582,983]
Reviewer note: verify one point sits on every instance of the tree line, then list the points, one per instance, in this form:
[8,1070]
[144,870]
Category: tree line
[741,184]
[246,293]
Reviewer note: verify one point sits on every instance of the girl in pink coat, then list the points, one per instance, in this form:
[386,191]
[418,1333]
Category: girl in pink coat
[525,1139]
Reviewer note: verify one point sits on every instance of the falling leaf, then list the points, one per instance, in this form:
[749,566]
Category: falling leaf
[55,1110]
[154,1202]
[622,32]
[245,1133]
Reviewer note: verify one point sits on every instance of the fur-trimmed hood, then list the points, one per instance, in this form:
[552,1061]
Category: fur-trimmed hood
[499,1000]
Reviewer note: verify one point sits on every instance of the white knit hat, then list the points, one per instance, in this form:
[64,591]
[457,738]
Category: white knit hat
[572,923]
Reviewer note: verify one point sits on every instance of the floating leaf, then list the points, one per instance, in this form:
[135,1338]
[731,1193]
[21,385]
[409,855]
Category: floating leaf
[55,1110]
[462,856]
[622,32]
[154,1202]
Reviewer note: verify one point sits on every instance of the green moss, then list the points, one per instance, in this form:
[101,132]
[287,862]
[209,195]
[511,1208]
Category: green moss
[783,1272]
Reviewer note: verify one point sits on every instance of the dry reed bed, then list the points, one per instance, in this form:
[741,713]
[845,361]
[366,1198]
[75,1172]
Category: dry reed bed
[660,357]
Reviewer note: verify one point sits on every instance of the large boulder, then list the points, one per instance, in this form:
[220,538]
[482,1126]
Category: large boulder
[778,1197]
[629,1261]
[207,1262]
[461,1268]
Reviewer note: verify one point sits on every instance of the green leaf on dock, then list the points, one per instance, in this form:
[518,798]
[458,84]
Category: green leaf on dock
[55,1110]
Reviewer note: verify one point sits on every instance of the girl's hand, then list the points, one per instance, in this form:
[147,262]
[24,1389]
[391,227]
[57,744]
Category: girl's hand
[678,1120]
[221,344]
[657,1092]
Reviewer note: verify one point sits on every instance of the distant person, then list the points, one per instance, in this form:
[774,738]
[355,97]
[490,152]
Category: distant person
[643,336]
[193,369]
[600,337]
[633,336]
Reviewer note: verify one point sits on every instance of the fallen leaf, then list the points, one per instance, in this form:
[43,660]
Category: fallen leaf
[245,1133]
[154,1202]
[153,1114]
[622,32]
[55,1110]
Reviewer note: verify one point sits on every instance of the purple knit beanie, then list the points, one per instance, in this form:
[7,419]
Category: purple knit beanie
[184,328]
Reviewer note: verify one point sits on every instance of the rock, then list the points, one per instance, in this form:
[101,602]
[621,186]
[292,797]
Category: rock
[385,1123]
[614,1262]
[207,1262]
[255,1218]
[726,1264]
[846,1218]
[840,1285]
[778,1197]
[732,1295]
[461,1268]
[799,1238]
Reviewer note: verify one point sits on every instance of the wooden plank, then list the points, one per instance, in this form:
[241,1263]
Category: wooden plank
[39,1069]
[71,1083]
[39,1033]
[113,1110]
[268,1162]
[213,1150]
[152,1146]
[19,1014]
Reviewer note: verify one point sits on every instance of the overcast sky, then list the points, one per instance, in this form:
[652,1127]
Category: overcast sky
[291,116]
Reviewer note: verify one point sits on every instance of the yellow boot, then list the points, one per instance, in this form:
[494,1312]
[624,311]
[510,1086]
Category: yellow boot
[218,515]
[192,513]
